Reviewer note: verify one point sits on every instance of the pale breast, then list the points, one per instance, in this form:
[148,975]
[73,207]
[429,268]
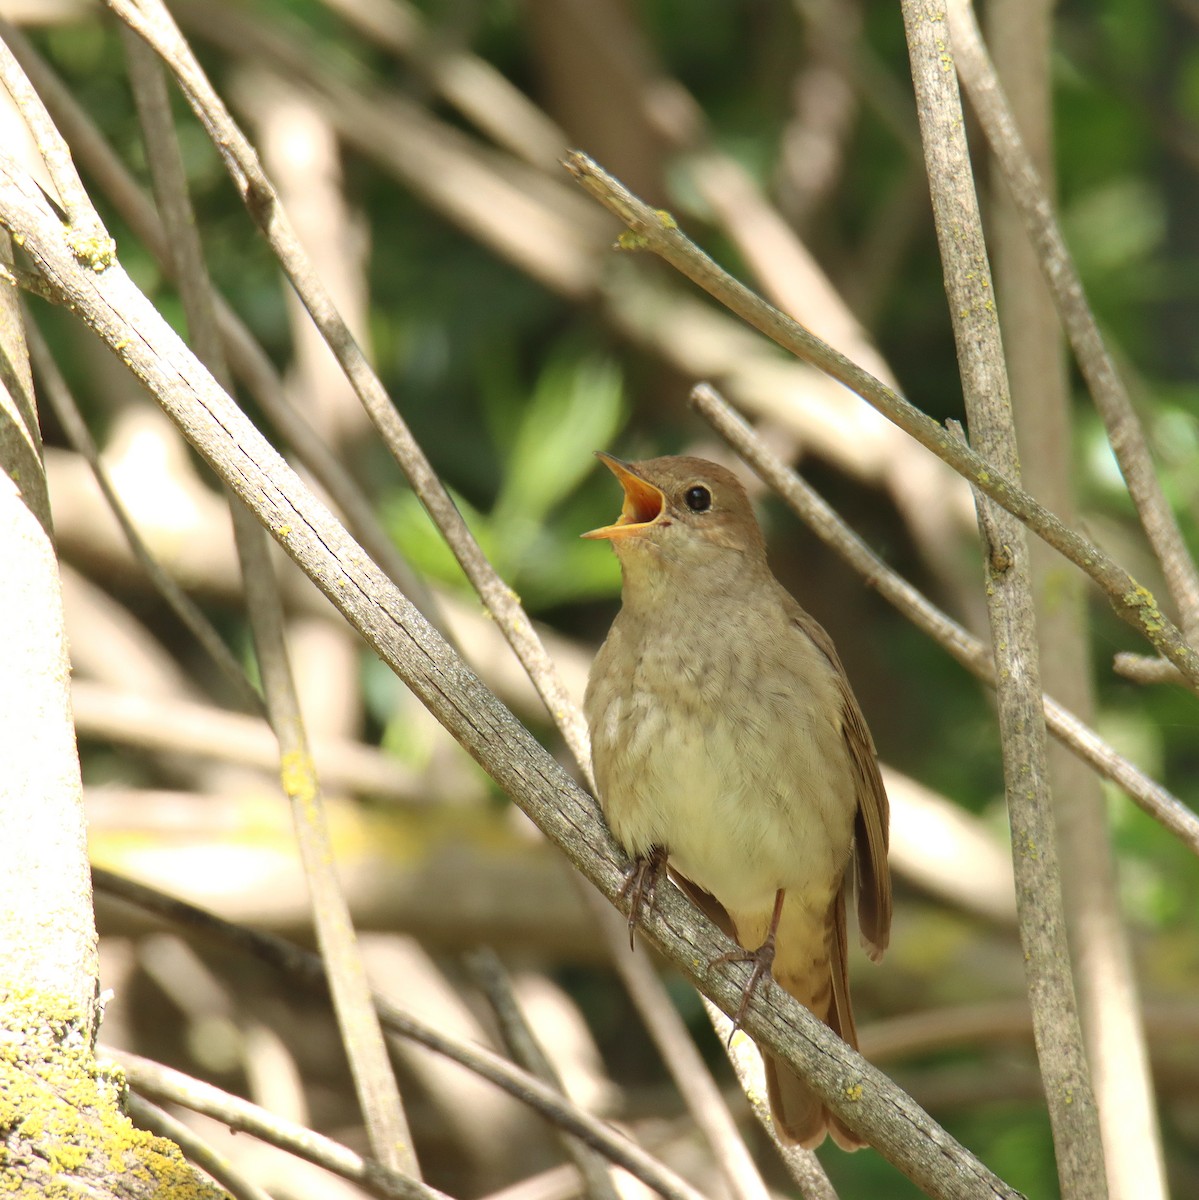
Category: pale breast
[730,758]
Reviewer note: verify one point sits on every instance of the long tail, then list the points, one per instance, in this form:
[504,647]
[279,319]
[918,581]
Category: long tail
[817,978]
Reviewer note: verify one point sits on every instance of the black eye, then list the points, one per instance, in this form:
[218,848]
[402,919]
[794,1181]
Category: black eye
[698,498]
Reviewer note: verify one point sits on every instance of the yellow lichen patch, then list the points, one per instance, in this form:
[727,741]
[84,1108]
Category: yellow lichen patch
[96,251]
[66,1133]
[631,241]
[298,776]
[668,222]
[1151,616]
[854,1092]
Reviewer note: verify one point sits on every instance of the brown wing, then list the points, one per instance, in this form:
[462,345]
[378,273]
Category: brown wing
[872,819]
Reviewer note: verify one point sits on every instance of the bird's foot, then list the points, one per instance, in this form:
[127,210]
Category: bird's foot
[762,959]
[641,884]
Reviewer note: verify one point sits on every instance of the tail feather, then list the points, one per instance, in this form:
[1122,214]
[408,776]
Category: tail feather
[822,986]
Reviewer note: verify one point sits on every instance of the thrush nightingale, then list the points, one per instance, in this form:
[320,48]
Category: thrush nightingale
[728,746]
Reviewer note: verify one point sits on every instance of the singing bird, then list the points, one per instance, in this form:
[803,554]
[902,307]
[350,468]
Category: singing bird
[728,746]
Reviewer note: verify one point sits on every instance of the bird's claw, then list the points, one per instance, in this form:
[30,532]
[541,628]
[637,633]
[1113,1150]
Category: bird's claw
[641,885]
[762,959]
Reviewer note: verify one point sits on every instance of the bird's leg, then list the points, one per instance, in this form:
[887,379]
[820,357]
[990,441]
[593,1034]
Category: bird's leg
[762,959]
[641,884]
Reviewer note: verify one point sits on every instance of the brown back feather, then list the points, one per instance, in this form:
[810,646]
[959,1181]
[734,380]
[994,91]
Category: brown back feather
[873,816]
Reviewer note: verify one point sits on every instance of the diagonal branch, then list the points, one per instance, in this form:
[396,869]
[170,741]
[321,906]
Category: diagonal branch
[150,20]
[374,1079]
[659,232]
[1095,361]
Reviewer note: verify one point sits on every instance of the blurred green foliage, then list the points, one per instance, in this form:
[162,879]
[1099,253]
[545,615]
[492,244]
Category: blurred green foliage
[531,532]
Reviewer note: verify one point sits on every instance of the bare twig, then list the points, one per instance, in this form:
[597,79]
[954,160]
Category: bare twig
[1010,605]
[803,1165]
[1096,363]
[1141,668]
[963,646]
[522,1043]
[1104,974]
[189,613]
[658,232]
[370,1067]
[152,22]
[682,1058]
[165,1084]
[88,238]
[157,1120]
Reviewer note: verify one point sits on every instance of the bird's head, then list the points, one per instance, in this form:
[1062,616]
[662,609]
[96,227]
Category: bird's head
[684,513]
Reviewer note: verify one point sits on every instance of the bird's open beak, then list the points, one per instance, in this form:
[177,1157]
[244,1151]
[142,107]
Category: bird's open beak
[643,503]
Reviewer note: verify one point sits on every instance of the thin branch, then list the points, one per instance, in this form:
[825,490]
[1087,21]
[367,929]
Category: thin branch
[155,1081]
[374,1079]
[28,281]
[1142,668]
[201,1153]
[746,1060]
[1039,908]
[54,386]
[1104,973]
[659,232]
[1098,367]
[152,22]
[815,512]
[701,1094]
[306,969]
[522,1044]
[87,236]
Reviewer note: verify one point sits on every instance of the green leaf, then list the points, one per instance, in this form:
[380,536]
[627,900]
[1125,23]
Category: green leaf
[421,542]
[577,407]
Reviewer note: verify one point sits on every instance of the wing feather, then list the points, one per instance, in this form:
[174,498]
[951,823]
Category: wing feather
[872,820]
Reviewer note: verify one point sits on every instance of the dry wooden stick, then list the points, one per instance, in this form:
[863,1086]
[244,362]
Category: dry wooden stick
[1039,905]
[1095,361]
[370,1068]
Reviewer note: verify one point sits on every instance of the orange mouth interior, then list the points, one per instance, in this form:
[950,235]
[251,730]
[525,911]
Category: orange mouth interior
[643,503]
